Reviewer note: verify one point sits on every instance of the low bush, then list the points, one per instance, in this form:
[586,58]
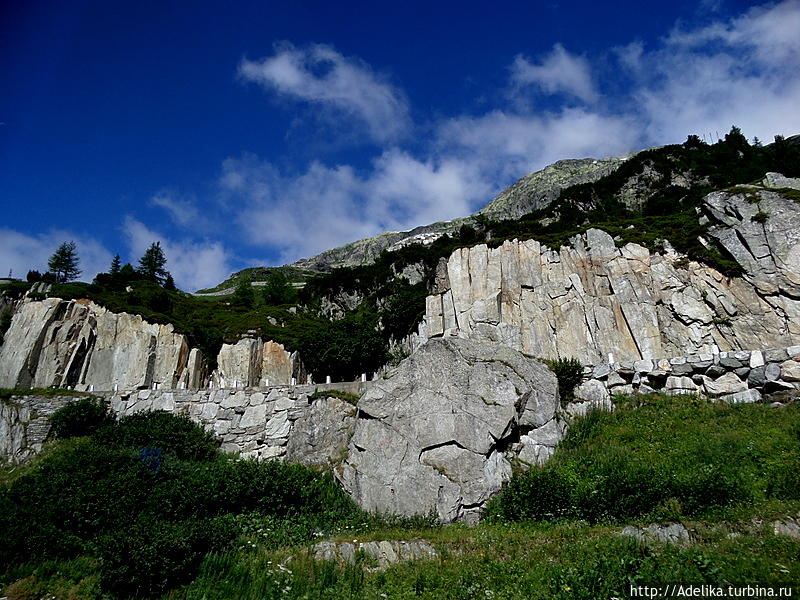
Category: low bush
[569,373]
[82,417]
[149,497]
[176,435]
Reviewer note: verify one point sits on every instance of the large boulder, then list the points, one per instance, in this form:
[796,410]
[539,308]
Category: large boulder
[438,434]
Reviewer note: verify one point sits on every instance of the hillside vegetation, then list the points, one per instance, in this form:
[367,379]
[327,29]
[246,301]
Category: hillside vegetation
[147,507]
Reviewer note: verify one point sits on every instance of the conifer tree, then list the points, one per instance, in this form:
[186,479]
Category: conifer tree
[115,265]
[151,265]
[63,264]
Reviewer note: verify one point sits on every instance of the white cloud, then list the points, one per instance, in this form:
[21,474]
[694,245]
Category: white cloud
[740,72]
[325,207]
[182,211]
[320,75]
[558,72]
[193,265]
[21,253]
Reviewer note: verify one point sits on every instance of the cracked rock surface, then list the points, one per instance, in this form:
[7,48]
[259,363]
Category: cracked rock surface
[600,303]
[438,433]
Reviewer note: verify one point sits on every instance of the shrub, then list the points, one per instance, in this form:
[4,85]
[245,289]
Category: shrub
[176,435]
[569,372]
[82,417]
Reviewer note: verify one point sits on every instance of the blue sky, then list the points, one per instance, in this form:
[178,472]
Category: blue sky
[257,133]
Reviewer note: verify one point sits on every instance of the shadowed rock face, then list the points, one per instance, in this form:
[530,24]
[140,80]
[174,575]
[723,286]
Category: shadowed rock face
[594,299]
[438,433]
[78,343]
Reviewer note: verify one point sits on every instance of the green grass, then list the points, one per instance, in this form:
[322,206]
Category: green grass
[6,393]
[662,457]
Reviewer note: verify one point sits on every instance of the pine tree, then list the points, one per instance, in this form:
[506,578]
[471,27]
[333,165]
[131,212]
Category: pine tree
[115,265]
[169,283]
[63,264]
[151,265]
[243,295]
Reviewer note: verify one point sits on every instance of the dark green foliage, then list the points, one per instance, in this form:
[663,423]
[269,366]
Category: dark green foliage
[681,457]
[278,290]
[151,527]
[79,418]
[760,217]
[115,265]
[176,435]
[569,373]
[346,348]
[156,555]
[64,262]
[243,295]
[33,276]
[152,263]
[169,283]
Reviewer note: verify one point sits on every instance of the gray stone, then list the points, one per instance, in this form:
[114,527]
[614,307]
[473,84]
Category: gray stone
[757,377]
[790,370]
[772,372]
[643,366]
[674,533]
[743,397]
[727,384]
[591,391]
[756,359]
[320,436]
[383,553]
[775,355]
[600,371]
[789,527]
[772,387]
[715,371]
[425,436]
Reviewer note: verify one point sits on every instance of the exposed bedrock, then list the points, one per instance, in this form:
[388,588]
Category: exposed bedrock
[438,434]
[595,299]
[79,344]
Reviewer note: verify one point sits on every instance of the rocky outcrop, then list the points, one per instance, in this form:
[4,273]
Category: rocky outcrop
[321,435]
[253,362]
[539,189]
[78,344]
[594,300]
[380,554]
[440,432]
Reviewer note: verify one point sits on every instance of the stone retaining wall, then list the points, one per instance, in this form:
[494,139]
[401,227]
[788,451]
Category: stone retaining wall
[25,424]
[741,376]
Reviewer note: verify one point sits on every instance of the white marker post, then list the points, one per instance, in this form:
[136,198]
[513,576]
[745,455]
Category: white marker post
[328,379]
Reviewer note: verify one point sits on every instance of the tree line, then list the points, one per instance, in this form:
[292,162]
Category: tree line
[64,266]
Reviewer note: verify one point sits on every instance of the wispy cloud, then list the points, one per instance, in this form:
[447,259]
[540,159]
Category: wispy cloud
[183,211]
[21,253]
[346,86]
[326,207]
[557,72]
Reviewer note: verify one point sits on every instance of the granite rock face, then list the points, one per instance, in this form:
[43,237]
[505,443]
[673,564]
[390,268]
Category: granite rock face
[600,303]
[253,362]
[439,432]
[77,343]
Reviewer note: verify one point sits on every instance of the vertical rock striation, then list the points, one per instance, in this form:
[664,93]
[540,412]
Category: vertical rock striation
[595,299]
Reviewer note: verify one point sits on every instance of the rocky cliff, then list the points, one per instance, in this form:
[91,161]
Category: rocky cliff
[594,299]
[78,344]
